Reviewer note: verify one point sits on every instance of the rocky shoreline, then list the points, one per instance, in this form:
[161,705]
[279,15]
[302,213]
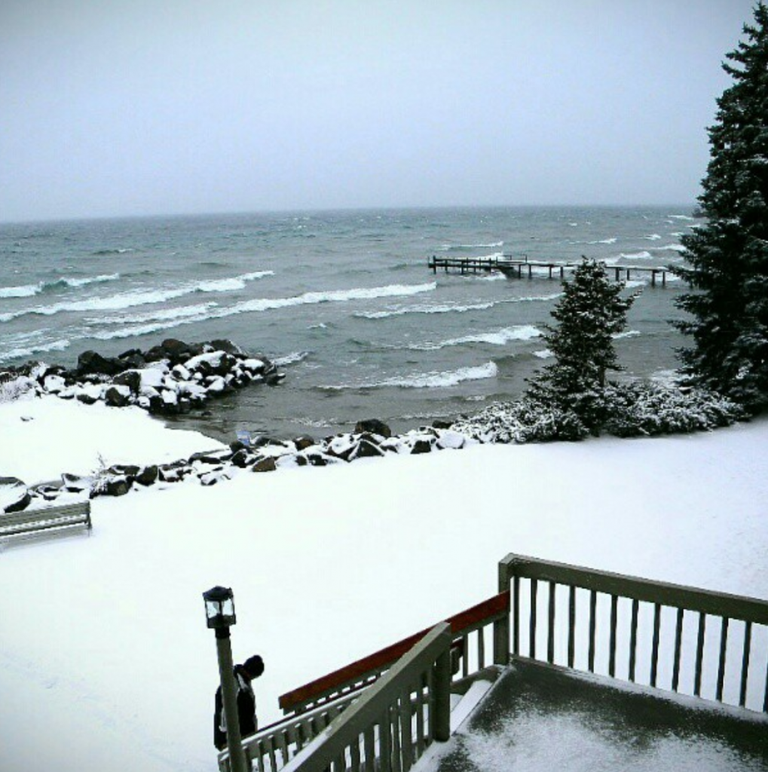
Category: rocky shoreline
[176,377]
[171,378]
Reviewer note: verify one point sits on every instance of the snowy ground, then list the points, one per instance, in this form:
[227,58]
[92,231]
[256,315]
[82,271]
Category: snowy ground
[105,661]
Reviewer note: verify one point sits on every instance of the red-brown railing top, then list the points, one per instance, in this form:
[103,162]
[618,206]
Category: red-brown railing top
[373,664]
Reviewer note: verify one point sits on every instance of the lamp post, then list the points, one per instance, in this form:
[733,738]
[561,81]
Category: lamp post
[220,616]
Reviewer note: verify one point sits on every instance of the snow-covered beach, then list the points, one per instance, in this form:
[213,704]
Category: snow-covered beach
[105,660]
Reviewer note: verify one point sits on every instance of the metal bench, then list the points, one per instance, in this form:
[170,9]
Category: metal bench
[32,521]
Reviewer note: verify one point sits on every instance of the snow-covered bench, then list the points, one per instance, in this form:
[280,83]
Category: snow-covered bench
[48,518]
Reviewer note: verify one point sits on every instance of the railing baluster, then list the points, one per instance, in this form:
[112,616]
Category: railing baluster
[765,697]
[430,703]
[532,626]
[260,757]
[678,647]
[406,717]
[612,652]
[354,755]
[369,748]
[571,624]
[420,744]
[745,663]
[699,653]
[396,748]
[516,616]
[481,648]
[633,639]
[551,625]
[655,647]
[723,654]
[385,743]
[592,627]
[465,657]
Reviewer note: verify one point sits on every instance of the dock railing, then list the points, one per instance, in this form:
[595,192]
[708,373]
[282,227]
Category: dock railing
[325,706]
[667,636]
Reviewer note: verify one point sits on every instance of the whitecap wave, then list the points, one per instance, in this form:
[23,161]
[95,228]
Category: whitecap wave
[430,380]
[669,248]
[29,351]
[626,334]
[491,245]
[653,237]
[26,291]
[290,359]
[544,353]
[681,217]
[139,297]
[604,241]
[644,255]
[455,308]
[496,338]
[182,312]
[267,304]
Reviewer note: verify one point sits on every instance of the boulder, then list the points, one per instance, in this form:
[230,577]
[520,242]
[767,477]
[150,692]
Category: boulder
[147,476]
[93,362]
[129,378]
[303,442]
[115,485]
[366,448]
[441,423]
[14,495]
[373,426]
[115,396]
[421,446]
[242,458]
[266,464]
[75,483]
[227,345]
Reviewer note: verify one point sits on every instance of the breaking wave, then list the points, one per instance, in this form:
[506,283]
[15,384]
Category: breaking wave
[496,338]
[29,351]
[451,247]
[138,297]
[453,308]
[430,380]
[267,304]
[30,290]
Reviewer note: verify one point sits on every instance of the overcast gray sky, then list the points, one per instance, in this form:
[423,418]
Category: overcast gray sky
[123,107]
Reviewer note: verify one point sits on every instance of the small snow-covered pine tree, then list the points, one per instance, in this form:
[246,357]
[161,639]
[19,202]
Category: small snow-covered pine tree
[591,311]
[728,254]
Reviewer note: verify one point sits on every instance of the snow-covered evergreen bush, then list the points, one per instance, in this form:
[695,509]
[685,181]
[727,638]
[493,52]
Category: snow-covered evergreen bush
[728,254]
[591,311]
[646,409]
[630,410]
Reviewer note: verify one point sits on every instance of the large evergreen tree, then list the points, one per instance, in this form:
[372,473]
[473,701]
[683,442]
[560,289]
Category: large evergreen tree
[728,254]
[590,313]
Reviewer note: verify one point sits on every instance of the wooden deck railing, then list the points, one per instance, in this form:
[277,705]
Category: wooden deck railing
[468,631]
[316,705]
[667,636]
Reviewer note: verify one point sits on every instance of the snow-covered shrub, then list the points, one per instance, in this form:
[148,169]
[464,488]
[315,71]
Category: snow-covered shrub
[629,410]
[524,420]
[12,389]
[642,408]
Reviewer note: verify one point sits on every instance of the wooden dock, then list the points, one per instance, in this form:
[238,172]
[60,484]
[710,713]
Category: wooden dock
[517,267]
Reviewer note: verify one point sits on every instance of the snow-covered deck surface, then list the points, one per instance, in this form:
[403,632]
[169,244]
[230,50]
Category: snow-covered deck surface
[539,719]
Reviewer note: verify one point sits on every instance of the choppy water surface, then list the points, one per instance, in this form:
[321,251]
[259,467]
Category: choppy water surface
[343,299]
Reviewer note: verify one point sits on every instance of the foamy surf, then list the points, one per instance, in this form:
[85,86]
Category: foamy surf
[430,380]
[454,308]
[260,305]
[495,338]
[139,297]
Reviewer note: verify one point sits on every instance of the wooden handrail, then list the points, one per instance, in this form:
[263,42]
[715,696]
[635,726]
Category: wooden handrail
[461,623]
[648,590]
